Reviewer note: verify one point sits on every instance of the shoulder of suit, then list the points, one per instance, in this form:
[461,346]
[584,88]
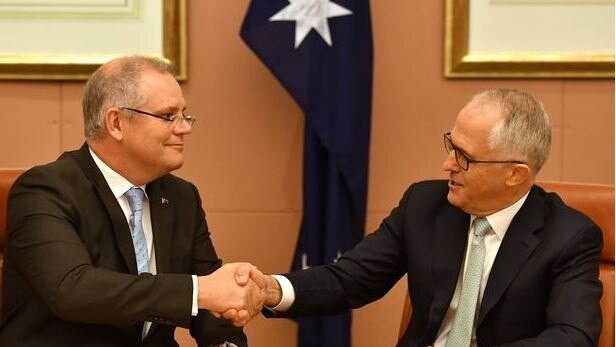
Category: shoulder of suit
[433,187]
[62,166]
[425,194]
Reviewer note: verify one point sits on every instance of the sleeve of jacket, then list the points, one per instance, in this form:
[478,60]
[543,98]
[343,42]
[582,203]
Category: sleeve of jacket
[360,276]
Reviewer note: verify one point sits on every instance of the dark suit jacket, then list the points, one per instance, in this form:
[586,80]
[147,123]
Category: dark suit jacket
[70,275]
[543,289]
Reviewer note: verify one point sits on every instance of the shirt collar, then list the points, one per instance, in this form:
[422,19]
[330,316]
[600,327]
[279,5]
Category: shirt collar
[116,182]
[500,221]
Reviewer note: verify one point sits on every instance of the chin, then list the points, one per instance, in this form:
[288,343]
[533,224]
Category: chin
[174,164]
[454,199]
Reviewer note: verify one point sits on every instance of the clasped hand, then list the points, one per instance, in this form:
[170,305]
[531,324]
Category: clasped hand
[235,292]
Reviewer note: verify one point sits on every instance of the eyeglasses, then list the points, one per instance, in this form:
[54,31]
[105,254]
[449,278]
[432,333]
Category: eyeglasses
[464,161]
[168,117]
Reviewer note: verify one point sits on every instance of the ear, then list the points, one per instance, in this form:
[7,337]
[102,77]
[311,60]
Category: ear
[519,174]
[113,123]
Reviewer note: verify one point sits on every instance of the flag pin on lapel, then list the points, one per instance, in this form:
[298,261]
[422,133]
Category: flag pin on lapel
[164,201]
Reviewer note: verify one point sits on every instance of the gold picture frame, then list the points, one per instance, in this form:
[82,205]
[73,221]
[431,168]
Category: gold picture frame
[77,66]
[460,62]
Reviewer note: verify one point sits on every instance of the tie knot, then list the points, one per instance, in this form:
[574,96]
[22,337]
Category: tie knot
[482,226]
[135,198]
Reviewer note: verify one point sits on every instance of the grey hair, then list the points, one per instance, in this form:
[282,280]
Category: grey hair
[523,129]
[115,84]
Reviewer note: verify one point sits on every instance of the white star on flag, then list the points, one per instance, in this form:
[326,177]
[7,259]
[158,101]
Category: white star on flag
[310,14]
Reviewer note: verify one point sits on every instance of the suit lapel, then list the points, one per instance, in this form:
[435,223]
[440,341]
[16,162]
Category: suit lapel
[162,224]
[450,236]
[118,220]
[519,243]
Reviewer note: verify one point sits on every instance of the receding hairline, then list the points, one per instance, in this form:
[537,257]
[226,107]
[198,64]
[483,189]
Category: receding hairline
[138,63]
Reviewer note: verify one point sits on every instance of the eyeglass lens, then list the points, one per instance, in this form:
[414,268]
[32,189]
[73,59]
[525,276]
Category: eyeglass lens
[461,159]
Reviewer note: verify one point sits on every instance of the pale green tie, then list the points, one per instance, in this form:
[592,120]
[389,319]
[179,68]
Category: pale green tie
[462,328]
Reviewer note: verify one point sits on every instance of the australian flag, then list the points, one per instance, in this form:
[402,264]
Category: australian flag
[321,52]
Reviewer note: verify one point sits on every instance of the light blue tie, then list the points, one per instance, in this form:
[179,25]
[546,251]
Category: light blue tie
[135,200]
[462,327]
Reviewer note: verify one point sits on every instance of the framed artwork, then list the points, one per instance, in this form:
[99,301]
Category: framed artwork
[529,38]
[69,39]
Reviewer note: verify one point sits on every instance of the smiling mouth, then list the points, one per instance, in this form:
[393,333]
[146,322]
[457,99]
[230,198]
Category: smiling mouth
[176,146]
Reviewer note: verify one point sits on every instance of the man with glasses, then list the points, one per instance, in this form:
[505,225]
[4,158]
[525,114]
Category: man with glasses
[104,246]
[491,258]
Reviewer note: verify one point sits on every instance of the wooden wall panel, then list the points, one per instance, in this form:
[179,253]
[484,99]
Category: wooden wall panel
[588,132]
[30,123]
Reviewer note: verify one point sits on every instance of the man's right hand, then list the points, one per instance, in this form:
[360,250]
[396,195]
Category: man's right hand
[271,289]
[237,290]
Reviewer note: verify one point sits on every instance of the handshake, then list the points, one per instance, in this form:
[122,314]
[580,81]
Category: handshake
[237,292]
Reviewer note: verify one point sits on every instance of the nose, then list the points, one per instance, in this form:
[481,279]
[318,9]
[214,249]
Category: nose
[450,164]
[183,127]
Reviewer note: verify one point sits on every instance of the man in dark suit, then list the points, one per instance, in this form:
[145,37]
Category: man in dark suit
[492,259]
[104,246]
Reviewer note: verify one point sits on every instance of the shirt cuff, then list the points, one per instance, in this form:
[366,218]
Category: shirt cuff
[195,287]
[288,294]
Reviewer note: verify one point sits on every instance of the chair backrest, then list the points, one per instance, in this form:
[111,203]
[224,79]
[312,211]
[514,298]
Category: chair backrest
[597,202]
[7,177]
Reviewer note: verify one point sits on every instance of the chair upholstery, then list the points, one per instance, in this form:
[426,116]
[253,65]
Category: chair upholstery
[597,202]
[7,177]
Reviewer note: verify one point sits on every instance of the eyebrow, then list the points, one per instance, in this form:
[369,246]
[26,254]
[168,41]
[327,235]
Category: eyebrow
[171,110]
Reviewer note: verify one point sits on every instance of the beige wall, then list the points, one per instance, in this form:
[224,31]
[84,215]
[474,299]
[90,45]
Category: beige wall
[245,152]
